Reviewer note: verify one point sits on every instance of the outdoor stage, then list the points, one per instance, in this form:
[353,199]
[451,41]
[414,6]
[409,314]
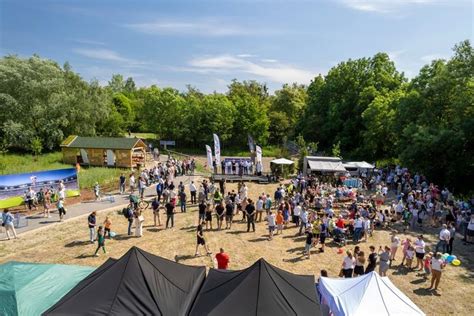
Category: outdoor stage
[246,178]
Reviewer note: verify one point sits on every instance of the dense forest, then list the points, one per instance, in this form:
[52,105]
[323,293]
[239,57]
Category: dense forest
[361,109]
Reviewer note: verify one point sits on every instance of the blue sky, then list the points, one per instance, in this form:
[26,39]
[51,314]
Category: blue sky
[206,43]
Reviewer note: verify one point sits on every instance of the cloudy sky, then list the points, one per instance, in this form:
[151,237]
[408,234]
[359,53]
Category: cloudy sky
[206,43]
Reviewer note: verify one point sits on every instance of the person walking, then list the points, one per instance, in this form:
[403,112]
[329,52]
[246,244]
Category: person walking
[100,241]
[222,260]
[107,226]
[61,209]
[8,223]
[169,214]
[201,240]
[91,219]
[182,200]
[384,260]
[419,245]
[250,214]
[437,265]
[271,219]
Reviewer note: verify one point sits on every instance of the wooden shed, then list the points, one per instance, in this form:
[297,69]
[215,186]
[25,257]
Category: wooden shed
[104,151]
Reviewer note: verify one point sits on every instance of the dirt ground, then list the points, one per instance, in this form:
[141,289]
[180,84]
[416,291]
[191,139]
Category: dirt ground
[67,243]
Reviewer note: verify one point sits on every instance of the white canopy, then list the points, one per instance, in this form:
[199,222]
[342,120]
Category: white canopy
[369,294]
[282,161]
[325,164]
[358,164]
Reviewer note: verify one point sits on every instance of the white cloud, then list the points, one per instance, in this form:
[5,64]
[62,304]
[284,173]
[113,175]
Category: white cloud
[265,60]
[246,55]
[110,56]
[88,42]
[225,64]
[385,6]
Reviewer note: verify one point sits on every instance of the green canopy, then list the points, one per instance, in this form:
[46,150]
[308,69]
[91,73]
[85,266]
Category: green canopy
[31,288]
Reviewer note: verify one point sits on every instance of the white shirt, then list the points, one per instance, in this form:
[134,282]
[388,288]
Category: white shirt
[348,263]
[395,241]
[297,211]
[271,219]
[192,187]
[436,264]
[259,205]
[444,234]
[470,226]
[359,223]
[419,246]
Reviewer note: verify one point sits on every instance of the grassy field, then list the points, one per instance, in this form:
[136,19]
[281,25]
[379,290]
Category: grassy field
[14,163]
[67,243]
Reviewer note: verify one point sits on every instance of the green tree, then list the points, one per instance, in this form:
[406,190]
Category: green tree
[116,84]
[36,147]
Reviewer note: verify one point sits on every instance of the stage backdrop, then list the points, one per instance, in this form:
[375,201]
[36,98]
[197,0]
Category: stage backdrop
[14,186]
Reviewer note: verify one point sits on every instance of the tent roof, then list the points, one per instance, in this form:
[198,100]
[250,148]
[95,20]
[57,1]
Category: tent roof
[369,294]
[136,284]
[31,288]
[282,161]
[74,141]
[261,289]
[329,164]
[358,164]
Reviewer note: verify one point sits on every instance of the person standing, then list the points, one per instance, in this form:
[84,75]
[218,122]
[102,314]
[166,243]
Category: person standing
[222,260]
[208,214]
[271,218]
[155,206]
[131,183]
[268,203]
[444,237]
[452,233]
[229,214]
[169,214]
[359,264]
[47,203]
[437,265]
[279,222]
[122,184]
[308,242]
[7,222]
[250,214]
[61,209]
[192,190]
[139,219]
[201,240]
[358,228]
[384,260]
[303,221]
[201,212]
[91,219]
[220,215]
[419,245]
[394,246]
[348,265]
[372,260]
[182,200]
[259,206]
[296,214]
[107,226]
[100,241]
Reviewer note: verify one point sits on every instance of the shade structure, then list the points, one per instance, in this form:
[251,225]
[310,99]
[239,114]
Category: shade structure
[261,289]
[139,283]
[31,288]
[369,294]
[358,164]
[282,161]
[322,164]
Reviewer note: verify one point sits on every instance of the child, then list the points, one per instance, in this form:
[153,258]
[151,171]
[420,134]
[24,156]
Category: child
[107,224]
[271,224]
[100,241]
[410,254]
[279,222]
[61,209]
[309,242]
[427,265]
[406,244]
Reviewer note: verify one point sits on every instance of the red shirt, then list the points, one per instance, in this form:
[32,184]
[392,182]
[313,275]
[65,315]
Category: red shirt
[222,260]
[340,223]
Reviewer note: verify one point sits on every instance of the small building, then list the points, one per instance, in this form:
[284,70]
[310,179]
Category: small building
[323,165]
[104,151]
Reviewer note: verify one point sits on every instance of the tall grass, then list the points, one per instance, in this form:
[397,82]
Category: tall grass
[15,163]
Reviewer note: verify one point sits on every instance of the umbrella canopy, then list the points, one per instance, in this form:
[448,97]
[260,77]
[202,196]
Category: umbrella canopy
[31,288]
[282,161]
[261,289]
[138,283]
[369,294]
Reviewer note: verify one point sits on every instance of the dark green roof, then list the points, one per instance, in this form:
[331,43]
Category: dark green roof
[101,142]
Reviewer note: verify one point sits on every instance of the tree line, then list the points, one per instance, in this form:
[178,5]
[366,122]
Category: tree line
[362,109]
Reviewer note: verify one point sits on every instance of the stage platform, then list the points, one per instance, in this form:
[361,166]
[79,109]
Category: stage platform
[237,178]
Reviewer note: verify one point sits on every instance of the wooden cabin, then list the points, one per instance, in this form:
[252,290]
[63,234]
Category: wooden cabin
[104,151]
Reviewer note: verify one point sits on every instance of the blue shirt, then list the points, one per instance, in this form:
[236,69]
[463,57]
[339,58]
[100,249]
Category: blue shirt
[7,218]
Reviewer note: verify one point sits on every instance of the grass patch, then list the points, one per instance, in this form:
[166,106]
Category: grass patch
[15,163]
[142,135]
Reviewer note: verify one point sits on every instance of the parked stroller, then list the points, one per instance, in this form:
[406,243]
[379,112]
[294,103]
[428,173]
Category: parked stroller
[339,237]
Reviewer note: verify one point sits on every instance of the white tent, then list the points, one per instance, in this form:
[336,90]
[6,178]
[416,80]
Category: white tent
[358,164]
[282,161]
[369,294]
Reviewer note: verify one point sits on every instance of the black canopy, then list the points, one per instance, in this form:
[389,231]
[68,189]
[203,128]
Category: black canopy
[139,283]
[261,289]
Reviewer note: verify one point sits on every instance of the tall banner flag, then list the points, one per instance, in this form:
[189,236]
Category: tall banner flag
[251,143]
[259,153]
[217,149]
[209,157]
